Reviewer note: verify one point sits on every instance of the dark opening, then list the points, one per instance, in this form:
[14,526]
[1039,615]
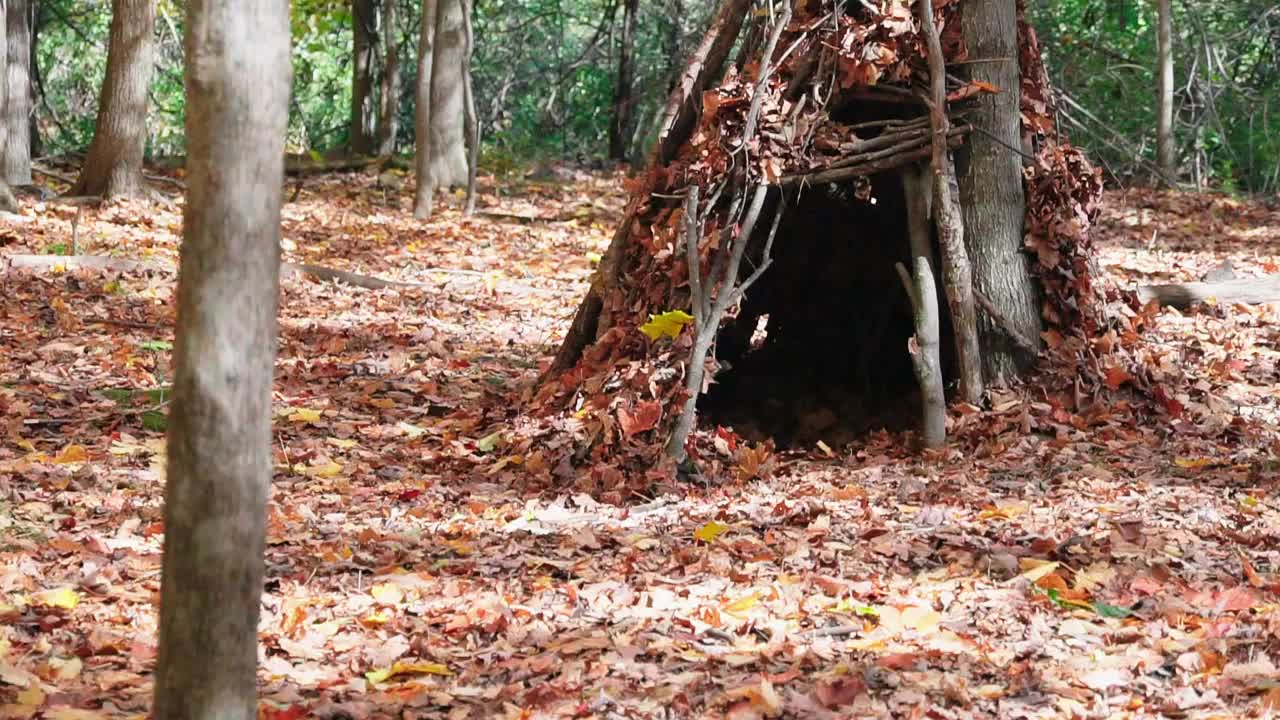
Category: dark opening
[819,349]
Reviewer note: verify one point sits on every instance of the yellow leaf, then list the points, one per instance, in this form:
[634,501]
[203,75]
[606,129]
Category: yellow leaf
[63,597]
[406,668]
[326,470]
[342,443]
[594,257]
[1036,569]
[667,324]
[72,454]
[1194,463]
[743,604]
[66,669]
[387,593]
[711,531]
[304,415]
[375,619]
[920,619]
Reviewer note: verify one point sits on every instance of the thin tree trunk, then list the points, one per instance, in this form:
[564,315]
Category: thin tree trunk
[8,203]
[389,105]
[623,91]
[922,289]
[219,444]
[422,196]
[989,175]
[956,272]
[470,118]
[114,164]
[15,157]
[1165,148]
[448,142]
[364,36]
[672,40]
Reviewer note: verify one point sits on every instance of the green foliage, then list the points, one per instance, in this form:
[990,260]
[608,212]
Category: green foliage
[1101,54]
[544,74]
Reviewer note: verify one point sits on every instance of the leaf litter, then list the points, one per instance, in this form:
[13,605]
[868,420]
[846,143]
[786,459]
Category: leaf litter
[433,550]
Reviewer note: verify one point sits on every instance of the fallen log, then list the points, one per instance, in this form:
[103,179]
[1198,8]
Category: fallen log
[287,270]
[1247,291]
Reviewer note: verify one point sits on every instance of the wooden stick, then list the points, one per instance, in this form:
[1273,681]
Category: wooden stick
[957,273]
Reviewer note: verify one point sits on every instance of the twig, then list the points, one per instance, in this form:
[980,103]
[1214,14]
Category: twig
[1003,323]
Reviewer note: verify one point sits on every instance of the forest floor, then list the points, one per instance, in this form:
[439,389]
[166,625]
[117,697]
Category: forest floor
[1058,566]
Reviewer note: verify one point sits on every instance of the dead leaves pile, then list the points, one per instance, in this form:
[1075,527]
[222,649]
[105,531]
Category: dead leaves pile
[1060,561]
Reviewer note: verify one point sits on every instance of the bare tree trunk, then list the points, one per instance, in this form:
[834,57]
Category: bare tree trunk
[448,142]
[989,175]
[219,445]
[422,195]
[389,105]
[8,203]
[1165,149]
[956,272]
[922,289]
[364,36]
[672,41]
[15,157]
[623,91]
[114,164]
[470,118]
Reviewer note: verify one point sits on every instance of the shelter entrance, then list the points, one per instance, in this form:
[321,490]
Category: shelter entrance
[819,350]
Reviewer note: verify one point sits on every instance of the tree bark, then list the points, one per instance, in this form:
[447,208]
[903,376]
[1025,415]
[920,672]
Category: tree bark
[219,442]
[990,182]
[15,156]
[957,273]
[8,203]
[1165,149]
[364,35]
[114,163]
[921,287]
[623,105]
[389,103]
[448,142]
[422,195]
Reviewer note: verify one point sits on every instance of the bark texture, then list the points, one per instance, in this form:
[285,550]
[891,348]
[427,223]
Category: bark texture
[623,105]
[114,164]
[389,101]
[448,97]
[219,444]
[1164,71]
[364,36]
[957,273]
[422,194]
[921,287]
[990,182]
[8,203]
[15,156]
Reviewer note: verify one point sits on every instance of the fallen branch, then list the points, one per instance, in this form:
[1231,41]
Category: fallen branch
[1247,291]
[1024,343]
[287,269]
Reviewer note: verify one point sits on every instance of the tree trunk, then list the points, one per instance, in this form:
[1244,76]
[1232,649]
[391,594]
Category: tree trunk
[364,35]
[389,104]
[448,97]
[15,157]
[921,287]
[672,41]
[219,444]
[623,92]
[422,195]
[8,203]
[1165,158]
[990,181]
[114,164]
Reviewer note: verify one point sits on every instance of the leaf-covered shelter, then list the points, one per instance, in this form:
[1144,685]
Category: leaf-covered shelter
[768,241]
